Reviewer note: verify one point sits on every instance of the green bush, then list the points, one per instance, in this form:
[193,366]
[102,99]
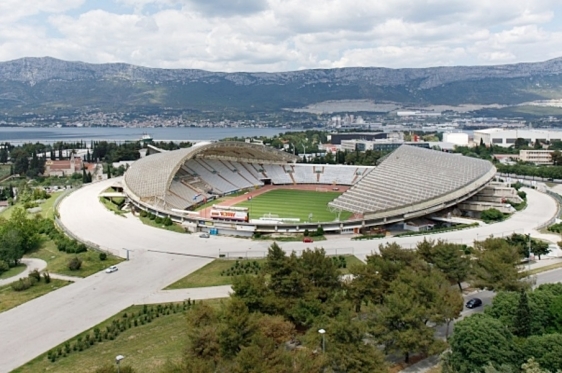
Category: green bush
[522,195]
[75,264]
[151,216]
[23,284]
[36,275]
[167,221]
[143,214]
[47,277]
[103,256]
[158,220]
[555,228]
[4,266]
[306,233]
[491,215]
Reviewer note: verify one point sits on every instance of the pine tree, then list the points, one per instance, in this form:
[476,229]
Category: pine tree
[523,317]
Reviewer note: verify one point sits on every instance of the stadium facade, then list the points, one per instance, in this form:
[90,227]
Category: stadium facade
[410,182]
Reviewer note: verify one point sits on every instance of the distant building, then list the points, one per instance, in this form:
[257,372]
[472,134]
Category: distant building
[380,145]
[336,138]
[64,167]
[457,138]
[536,156]
[507,137]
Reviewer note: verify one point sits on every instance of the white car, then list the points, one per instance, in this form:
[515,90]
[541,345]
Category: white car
[111,269]
[204,235]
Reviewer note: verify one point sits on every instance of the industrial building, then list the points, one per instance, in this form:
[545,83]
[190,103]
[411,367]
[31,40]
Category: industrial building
[457,138]
[336,138]
[380,145]
[507,137]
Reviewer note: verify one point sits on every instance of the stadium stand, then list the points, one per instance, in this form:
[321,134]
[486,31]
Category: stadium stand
[403,184]
[277,174]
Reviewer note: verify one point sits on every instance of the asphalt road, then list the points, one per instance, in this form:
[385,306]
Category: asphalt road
[35,327]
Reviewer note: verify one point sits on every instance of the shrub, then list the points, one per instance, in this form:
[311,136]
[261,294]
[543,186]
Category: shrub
[151,216]
[35,274]
[522,194]
[23,284]
[47,277]
[158,220]
[4,266]
[75,264]
[143,214]
[491,215]
[167,221]
[103,256]
[306,233]
[81,248]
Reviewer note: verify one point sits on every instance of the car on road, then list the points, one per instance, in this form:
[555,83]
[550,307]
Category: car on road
[111,269]
[204,235]
[473,303]
[307,239]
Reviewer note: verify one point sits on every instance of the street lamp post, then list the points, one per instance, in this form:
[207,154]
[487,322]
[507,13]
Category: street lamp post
[323,332]
[118,359]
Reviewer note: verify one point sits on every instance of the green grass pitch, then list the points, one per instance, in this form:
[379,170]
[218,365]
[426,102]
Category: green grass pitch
[288,203]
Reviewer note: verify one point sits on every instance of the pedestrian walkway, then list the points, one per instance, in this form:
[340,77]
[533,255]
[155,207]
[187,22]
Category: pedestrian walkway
[179,295]
[31,264]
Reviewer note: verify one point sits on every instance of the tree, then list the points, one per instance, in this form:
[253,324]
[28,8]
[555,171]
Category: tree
[546,349]
[479,340]
[523,317]
[496,266]
[449,258]
[236,328]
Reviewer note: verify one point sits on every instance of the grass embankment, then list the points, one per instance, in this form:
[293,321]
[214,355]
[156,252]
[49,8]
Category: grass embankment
[210,275]
[545,268]
[47,207]
[299,204]
[13,271]
[174,227]
[57,261]
[146,347]
[10,298]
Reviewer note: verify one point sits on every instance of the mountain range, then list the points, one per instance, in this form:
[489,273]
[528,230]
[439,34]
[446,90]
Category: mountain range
[49,85]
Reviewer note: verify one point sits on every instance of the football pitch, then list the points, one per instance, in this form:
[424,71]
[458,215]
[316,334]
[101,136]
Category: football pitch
[289,203]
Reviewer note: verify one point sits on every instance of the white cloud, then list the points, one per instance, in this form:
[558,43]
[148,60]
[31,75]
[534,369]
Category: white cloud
[274,35]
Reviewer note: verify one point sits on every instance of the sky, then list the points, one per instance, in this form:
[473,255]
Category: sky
[283,35]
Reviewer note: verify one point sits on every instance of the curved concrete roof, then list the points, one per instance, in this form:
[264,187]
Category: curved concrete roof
[149,178]
[412,180]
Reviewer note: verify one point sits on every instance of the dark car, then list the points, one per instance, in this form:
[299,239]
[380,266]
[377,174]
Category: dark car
[474,302]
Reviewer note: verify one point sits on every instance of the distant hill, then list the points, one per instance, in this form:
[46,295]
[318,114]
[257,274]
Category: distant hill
[47,85]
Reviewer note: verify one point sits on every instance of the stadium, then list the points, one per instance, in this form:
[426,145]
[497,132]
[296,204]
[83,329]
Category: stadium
[237,188]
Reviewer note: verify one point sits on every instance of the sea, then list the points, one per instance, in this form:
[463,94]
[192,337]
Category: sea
[18,135]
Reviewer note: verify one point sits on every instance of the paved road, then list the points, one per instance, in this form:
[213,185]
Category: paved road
[88,219]
[49,320]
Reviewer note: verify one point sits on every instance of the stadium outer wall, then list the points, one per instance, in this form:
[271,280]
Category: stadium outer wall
[353,225]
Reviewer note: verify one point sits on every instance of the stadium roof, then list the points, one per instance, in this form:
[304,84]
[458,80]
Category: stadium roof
[413,181]
[149,178]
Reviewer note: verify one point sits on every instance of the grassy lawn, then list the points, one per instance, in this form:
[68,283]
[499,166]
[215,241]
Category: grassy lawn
[47,208]
[111,206]
[210,275]
[10,298]
[174,227]
[4,170]
[146,347]
[57,261]
[288,203]
[545,268]
[13,271]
